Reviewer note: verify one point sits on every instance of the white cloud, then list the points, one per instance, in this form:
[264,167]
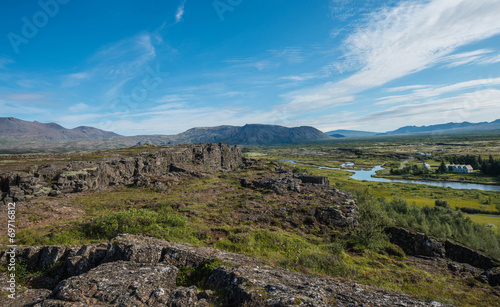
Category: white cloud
[490,60]
[427,92]
[123,58]
[79,107]
[478,57]
[478,106]
[405,88]
[297,78]
[180,12]
[416,35]
[75,79]
[176,118]
[397,41]
[170,98]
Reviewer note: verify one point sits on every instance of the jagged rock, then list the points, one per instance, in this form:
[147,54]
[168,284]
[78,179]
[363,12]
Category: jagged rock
[148,250]
[142,271]
[87,257]
[338,216]
[416,244]
[28,298]
[494,276]
[314,179]
[120,283]
[460,253]
[78,176]
[426,246]
[335,209]
[266,286]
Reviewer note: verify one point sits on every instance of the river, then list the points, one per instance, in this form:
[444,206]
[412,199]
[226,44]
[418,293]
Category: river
[367,175]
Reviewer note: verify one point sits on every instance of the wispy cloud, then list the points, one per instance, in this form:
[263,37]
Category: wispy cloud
[398,41]
[470,57]
[180,12]
[416,35]
[153,121]
[124,57]
[428,92]
[30,98]
[75,79]
[5,61]
[477,106]
[301,77]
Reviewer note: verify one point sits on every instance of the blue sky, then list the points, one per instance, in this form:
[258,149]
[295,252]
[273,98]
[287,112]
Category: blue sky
[162,67]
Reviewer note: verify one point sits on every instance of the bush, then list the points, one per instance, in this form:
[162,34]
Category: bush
[443,222]
[299,170]
[134,221]
[442,203]
[478,211]
[372,221]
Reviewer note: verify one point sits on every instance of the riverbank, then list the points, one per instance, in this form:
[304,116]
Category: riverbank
[369,175]
[383,174]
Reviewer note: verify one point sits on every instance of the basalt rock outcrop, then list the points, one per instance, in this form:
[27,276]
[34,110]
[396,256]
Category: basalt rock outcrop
[314,196]
[77,176]
[457,256]
[140,271]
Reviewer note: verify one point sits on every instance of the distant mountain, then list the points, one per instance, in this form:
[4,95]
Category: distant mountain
[350,133]
[13,128]
[448,128]
[251,134]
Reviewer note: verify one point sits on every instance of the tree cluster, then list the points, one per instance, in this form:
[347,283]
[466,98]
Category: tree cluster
[410,170]
[440,221]
[488,166]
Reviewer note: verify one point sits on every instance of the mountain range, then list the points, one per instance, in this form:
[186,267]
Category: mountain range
[17,135]
[464,127]
[13,128]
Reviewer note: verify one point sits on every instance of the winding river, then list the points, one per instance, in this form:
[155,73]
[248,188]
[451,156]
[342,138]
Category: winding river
[367,175]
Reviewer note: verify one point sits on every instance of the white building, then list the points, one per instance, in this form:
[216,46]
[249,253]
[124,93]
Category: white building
[426,165]
[459,168]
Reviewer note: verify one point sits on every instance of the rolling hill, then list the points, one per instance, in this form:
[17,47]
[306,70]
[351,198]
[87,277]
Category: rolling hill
[463,127]
[251,134]
[13,128]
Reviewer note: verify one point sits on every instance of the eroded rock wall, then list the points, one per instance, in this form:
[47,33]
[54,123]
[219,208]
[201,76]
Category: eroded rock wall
[76,176]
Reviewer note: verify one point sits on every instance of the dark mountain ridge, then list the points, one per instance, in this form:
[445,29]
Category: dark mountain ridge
[13,128]
[463,127]
[250,134]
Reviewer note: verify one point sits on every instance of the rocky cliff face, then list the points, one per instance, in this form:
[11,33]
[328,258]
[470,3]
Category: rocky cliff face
[141,271]
[76,176]
[456,256]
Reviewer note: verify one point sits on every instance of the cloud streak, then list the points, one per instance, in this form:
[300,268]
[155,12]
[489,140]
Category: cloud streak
[180,12]
[399,41]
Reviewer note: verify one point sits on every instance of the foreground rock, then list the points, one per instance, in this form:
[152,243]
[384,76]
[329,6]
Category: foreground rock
[141,271]
[77,176]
